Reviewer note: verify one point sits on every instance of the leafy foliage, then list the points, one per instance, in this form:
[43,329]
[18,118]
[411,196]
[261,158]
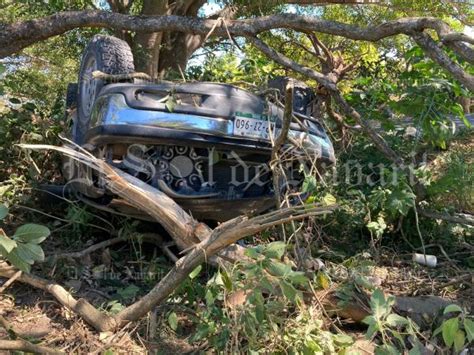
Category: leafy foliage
[22,250]
[458,331]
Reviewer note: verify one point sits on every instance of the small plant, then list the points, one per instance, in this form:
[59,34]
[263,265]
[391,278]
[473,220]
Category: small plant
[22,250]
[389,325]
[458,331]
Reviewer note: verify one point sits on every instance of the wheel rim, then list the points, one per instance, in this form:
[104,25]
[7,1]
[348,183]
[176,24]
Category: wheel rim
[89,86]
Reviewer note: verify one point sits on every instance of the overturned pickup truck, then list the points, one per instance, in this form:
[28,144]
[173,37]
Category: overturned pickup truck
[206,145]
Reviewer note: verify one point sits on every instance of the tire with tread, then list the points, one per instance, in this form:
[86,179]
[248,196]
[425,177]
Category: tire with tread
[107,54]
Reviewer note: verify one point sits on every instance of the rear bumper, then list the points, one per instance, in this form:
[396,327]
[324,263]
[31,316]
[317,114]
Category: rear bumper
[114,121]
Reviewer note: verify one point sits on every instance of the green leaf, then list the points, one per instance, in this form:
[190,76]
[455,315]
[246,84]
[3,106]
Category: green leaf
[24,254]
[297,278]
[323,280]
[3,211]
[372,330]
[173,321]
[33,251]
[32,233]
[459,340]
[275,250]
[18,262]
[369,320]
[288,290]
[195,272]
[309,184]
[329,199]
[343,340]
[6,243]
[452,308]
[415,350]
[171,103]
[260,313]
[395,320]
[379,305]
[277,268]
[209,297]
[469,328]
[449,329]
[386,350]
[226,280]
[252,253]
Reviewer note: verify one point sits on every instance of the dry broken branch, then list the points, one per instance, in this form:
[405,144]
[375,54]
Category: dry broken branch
[280,140]
[26,346]
[84,309]
[201,242]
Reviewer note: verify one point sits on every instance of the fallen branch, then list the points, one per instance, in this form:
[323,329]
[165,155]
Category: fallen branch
[224,235]
[26,346]
[81,254]
[220,238]
[84,309]
[456,218]
[197,238]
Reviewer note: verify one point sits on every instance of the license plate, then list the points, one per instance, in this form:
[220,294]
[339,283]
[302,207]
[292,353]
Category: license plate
[253,128]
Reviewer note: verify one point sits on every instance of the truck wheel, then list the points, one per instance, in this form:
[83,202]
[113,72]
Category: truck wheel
[106,54]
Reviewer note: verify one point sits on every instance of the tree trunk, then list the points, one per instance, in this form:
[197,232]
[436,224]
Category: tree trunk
[160,53]
[146,46]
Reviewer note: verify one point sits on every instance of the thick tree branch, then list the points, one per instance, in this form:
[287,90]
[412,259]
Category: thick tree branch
[439,56]
[16,36]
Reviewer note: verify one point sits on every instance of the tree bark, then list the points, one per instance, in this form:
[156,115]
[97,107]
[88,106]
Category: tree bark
[146,45]
[16,36]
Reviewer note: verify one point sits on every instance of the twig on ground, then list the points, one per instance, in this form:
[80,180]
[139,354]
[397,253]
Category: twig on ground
[80,254]
[10,281]
[26,346]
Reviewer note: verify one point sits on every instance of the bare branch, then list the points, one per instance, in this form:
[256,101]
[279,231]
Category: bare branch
[26,346]
[280,140]
[91,315]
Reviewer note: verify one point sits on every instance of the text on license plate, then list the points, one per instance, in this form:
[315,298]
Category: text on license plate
[251,127]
